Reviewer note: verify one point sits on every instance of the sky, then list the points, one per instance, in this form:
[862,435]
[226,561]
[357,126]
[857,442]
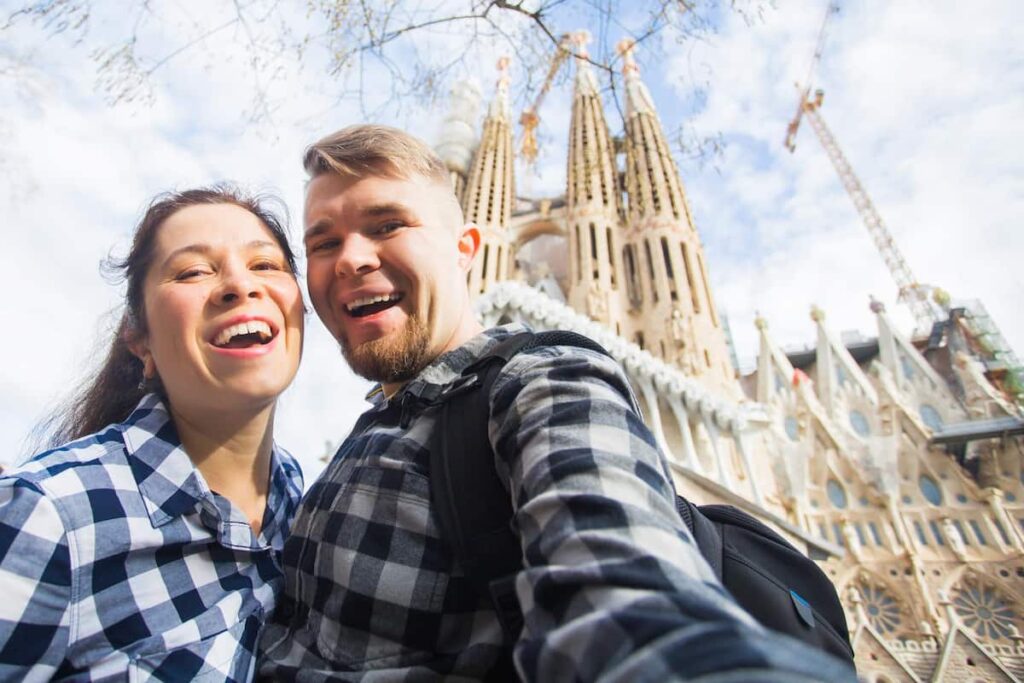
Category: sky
[925,98]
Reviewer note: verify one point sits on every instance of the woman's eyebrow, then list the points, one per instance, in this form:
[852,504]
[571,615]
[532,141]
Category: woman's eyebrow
[206,249]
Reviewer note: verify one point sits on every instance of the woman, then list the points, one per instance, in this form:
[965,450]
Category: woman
[149,544]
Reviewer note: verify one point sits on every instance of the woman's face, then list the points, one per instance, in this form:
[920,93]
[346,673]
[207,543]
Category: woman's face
[223,312]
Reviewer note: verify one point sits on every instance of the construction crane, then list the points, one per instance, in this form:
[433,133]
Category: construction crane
[529,118]
[926,310]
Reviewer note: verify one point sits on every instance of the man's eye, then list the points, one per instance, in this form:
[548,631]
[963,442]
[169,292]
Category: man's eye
[388,227]
[323,245]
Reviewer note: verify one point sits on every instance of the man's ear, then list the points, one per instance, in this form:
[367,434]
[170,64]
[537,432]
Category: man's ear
[469,244]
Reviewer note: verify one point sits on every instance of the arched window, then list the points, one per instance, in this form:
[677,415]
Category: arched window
[931,417]
[930,489]
[859,423]
[836,494]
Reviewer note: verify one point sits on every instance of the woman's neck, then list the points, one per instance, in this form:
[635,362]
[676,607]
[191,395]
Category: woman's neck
[232,450]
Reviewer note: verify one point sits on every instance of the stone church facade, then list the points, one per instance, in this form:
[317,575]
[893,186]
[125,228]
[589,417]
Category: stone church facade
[896,463]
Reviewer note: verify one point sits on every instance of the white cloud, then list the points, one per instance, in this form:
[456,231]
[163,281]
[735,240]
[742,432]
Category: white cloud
[927,102]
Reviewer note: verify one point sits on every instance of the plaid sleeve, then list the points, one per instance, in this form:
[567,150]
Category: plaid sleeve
[614,587]
[35,572]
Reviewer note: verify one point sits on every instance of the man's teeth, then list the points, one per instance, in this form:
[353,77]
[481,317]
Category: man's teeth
[367,300]
[251,327]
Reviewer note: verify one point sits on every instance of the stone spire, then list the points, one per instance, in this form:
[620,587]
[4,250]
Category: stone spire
[458,133]
[655,190]
[663,257]
[593,202]
[490,190]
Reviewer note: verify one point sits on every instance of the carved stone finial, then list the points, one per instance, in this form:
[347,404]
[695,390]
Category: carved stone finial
[581,39]
[503,64]
[876,306]
[759,322]
[625,48]
[817,315]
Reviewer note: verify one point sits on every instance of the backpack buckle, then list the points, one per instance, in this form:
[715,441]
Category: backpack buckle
[460,385]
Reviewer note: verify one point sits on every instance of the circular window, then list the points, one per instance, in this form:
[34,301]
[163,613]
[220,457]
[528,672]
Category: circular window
[882,609]
[931,417]
[836,494]
[859,423]
[792,428]
[1010,498]
[985,610]
[961,498]
[930,490]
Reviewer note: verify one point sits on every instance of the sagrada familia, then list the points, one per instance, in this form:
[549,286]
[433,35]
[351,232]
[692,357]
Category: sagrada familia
[896,463]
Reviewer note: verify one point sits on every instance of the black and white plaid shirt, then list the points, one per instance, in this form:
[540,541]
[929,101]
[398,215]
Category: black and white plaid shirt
[118,562]
[614,586]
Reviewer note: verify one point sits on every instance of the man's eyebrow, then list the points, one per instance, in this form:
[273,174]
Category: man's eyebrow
[318,228]
[385,208]
[372,211]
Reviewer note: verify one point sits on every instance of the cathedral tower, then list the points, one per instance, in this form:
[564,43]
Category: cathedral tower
[593,203]
[489,193]
[666,277]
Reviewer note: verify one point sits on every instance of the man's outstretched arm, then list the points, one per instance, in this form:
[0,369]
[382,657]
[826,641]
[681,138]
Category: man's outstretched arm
[614,587]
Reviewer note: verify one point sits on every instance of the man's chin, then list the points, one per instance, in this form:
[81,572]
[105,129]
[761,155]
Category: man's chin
[397,357]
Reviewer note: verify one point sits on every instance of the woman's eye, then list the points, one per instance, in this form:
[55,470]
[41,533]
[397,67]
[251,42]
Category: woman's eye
[191,273]
[267,265]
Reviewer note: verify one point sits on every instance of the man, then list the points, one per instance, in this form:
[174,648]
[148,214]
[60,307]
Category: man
[614,587]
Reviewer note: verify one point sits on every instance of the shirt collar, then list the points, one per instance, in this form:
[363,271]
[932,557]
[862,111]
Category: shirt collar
[171,486]
[168,480]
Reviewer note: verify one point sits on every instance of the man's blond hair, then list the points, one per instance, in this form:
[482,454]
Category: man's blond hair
[370,149]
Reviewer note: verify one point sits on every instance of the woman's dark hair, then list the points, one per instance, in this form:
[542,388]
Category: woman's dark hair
[119,384]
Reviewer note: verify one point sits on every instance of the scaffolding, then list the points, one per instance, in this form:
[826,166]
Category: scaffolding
[992,348]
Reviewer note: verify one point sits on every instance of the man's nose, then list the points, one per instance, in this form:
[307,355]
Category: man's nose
[356,256]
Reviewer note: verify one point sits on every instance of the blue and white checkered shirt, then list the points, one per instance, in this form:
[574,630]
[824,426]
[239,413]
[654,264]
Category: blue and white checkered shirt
[117,560]
[613,589]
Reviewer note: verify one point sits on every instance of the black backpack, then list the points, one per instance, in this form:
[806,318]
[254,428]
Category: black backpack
[776,583]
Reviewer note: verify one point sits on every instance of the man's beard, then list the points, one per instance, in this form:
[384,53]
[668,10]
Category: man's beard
[397,357]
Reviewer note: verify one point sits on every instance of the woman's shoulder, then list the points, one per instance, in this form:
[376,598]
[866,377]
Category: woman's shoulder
[75,467]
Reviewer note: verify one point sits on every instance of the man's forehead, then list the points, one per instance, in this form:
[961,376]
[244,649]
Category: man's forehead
[374,193]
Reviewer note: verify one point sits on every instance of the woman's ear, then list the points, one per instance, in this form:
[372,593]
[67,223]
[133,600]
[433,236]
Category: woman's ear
[139,346]
[469,244]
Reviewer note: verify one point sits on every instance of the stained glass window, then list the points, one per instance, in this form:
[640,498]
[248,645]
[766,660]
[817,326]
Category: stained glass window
[930,489]
[882,609]
[908,367]
[986,611]
[836,494]
[931,417]
[792,428]
[859,423]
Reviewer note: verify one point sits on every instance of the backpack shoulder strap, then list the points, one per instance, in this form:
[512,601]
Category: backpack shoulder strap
[706,534]
[472,504]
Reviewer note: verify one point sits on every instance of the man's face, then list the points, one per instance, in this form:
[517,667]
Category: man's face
[387,259]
